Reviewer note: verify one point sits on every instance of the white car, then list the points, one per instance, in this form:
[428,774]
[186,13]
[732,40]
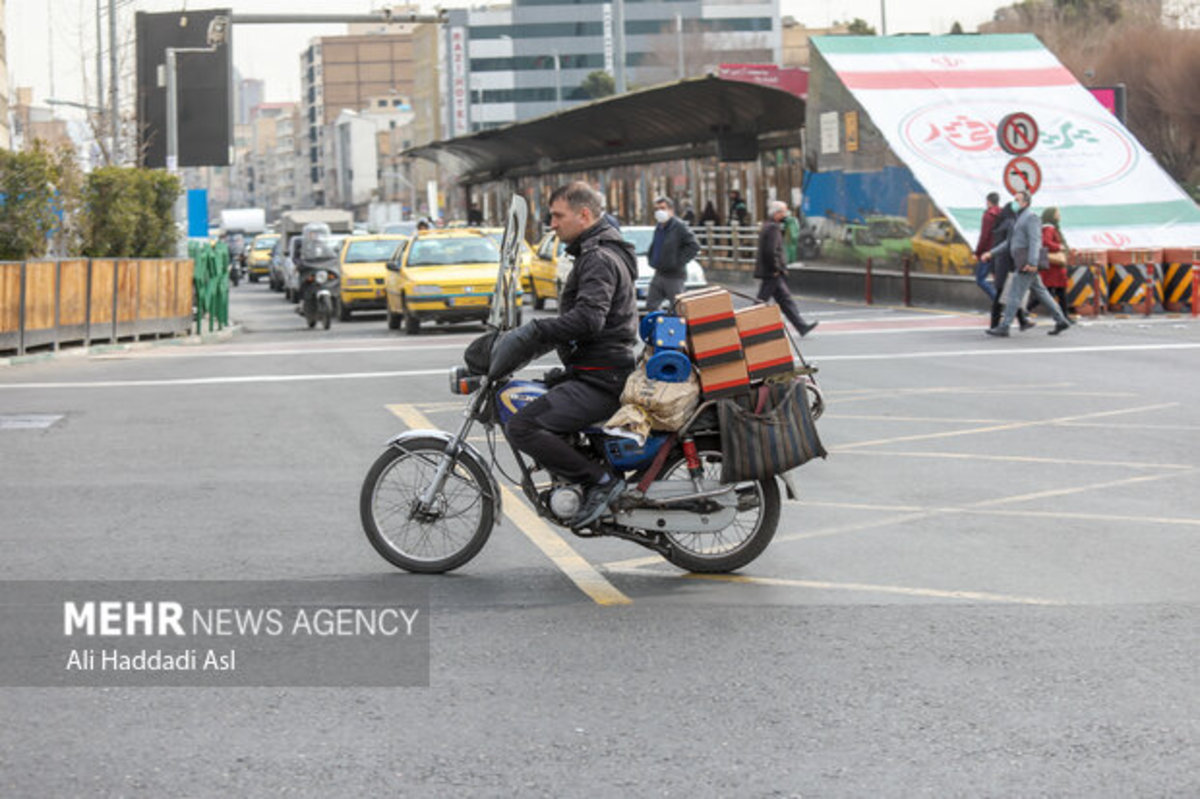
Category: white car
[640,237]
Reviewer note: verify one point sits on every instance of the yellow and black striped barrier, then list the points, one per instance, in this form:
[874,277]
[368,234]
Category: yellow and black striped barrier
[1131,279]
[1087,289]
[1177,277]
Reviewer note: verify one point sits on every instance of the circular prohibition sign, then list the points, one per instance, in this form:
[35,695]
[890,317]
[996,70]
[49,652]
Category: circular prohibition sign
[1017,134]
[1022,174]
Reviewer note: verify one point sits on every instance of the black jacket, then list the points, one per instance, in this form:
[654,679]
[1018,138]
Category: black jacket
[597,318]
[678,246]
[769,260]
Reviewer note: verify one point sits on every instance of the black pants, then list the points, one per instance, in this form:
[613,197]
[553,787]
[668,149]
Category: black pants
[1001,276]
[539,428]
[777,288]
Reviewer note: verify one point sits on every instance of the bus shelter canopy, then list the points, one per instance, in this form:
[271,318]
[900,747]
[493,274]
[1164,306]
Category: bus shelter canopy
[695,111]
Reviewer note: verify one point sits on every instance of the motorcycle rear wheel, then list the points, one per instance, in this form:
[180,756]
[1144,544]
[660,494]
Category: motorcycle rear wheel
[447,536]
[746,536]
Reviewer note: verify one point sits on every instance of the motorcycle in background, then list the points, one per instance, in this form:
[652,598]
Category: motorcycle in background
[318,277]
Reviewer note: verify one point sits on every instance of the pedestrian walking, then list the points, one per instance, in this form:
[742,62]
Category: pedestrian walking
[770,267]
[672,247]
[1002,268]
[986,242]
[1054,277]
[1025,246]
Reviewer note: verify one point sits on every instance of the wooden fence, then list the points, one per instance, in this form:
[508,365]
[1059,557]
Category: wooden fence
[52,302]
[727,249]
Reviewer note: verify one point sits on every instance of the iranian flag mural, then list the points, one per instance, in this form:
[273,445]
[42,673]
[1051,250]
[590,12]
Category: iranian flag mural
[938,99]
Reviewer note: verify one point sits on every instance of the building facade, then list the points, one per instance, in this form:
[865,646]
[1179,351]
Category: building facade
[341,73]
[510,63]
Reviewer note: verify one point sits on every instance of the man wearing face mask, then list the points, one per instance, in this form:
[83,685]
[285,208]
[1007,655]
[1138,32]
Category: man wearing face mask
[672,247]
[1025,246]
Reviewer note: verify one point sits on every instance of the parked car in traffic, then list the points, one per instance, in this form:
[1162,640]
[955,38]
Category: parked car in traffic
[364,262]
[258,262]
[496,234]
[548,268]
[442,276]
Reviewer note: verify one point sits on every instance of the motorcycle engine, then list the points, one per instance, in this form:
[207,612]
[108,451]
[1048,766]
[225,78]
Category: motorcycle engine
[565,501]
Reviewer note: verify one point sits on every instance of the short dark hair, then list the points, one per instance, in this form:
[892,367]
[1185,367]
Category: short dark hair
[993,198]
[667,200]
[579,195]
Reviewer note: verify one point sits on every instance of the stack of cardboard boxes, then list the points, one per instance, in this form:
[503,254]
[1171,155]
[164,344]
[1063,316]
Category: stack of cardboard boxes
[731,349]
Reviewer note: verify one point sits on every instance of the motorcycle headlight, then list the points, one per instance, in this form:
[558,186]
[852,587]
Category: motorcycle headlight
[427,290]
[322,276]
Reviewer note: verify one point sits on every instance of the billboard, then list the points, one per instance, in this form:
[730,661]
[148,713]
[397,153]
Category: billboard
[937,100]
[204,89]
[789,79]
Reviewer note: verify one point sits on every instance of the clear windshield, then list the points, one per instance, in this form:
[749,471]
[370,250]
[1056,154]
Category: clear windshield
[449,251]
[362,252]
[640,238]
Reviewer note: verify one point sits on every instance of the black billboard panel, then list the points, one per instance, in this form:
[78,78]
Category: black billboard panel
[204,89]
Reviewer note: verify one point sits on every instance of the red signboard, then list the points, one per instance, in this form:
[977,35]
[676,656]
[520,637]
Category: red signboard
[790,79]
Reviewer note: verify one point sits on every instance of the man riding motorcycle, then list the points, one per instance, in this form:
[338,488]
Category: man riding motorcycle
[316,252]
[595,333]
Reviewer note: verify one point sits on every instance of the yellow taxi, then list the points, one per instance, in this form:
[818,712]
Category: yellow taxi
[938,247]
[496,234]
[363,261]
[548,270]
[258,261]
[443,275]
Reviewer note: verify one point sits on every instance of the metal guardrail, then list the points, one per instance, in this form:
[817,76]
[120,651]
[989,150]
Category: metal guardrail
[727,248]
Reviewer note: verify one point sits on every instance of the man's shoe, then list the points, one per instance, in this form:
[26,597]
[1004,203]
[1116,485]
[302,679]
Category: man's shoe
[1028,324]
[596,502]
[808,328]
[1002,332]
[1058,328]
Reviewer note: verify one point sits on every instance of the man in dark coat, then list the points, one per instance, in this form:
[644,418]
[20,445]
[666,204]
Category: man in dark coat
[595,333]
[672,247]
[770,267]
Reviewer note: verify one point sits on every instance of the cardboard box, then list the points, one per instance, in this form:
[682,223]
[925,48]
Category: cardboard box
[764,340]
[724,380]
[715,346]
[706,309]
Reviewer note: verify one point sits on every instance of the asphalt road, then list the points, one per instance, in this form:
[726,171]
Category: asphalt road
[988,589]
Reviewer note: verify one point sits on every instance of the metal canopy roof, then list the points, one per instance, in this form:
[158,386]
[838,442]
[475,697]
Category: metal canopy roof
[690,112]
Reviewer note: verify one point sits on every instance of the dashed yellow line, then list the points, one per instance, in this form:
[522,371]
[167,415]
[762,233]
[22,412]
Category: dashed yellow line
[573,565]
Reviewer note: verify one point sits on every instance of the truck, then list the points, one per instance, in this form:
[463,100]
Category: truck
[247,221]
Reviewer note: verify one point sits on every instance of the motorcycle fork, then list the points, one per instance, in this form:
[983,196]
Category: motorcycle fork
[425,502]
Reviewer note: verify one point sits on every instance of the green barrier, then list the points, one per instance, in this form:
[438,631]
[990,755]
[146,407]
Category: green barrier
[210,275]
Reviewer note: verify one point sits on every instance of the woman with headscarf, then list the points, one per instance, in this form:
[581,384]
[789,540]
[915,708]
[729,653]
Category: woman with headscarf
[1054,277]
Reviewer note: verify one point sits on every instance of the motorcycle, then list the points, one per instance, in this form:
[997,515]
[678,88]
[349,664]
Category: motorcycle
[430,501]
[319,281]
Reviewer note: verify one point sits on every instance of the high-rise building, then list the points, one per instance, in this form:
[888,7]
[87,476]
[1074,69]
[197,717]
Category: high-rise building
[249,95]
[341,72]
[278,157]
[508,63]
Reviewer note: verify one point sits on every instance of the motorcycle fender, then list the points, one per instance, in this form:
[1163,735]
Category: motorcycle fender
[324,293]
[466,450]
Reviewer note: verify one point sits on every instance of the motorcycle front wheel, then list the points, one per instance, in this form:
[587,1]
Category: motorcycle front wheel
[431,540]
[746,536]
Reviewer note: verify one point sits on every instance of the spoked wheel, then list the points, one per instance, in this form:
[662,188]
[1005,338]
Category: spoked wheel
[746,536]
[428,540]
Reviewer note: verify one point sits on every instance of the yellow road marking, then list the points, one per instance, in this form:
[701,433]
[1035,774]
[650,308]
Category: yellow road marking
[578,570]
[1062,492]
[901,590]
[968,456]
[1003,427]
